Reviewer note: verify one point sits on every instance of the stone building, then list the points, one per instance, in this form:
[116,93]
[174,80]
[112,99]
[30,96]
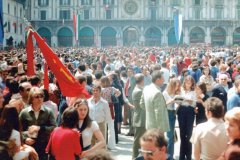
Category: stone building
[136,22]
[14,30]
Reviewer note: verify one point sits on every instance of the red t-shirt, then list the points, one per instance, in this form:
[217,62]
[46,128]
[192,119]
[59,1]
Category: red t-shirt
[188,61]
[65,144]
[181,66]
[153,58]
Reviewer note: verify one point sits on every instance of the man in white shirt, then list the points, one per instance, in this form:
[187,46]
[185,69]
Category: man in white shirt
[209,139]
[165,75]
[99,110]
[88,70]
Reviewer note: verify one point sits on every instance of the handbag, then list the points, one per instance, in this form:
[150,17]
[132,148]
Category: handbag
[113,97]
[50,156]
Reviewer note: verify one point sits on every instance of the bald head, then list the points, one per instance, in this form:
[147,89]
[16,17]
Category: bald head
[139,78]
[223,79]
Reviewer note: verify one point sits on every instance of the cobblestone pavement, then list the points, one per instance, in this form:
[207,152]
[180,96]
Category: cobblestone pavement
[124,147]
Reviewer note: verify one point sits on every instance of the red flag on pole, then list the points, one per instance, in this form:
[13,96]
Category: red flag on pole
[74,25]
[14,24]
[63,22]
[20,25]
[69,86]
[29,49]
[119,44]
[46,80]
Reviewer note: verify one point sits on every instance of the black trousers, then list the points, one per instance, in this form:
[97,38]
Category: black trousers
[186,120]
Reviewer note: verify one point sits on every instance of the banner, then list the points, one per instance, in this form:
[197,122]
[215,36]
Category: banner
[29,50]
[76,24]
[178,26]
[69,86]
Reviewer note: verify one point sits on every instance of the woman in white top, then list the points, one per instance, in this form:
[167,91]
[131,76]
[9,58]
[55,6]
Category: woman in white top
[10,137]
[173,88]
[87,128]
[207,79]
[186,116]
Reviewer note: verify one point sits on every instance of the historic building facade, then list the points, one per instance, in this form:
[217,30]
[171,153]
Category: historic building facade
[14,26]
[136,22]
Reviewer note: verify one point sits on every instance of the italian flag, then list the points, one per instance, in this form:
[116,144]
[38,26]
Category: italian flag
[76,24]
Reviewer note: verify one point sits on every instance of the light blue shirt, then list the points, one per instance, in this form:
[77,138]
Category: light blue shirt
[147,81]
[225,88]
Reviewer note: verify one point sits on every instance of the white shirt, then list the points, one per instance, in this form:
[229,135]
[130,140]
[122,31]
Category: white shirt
[168,98]
[100,111]
[36,113]
[211,138]
[190,95]
[89,71]
[119,64]
[165,75]
[88,132]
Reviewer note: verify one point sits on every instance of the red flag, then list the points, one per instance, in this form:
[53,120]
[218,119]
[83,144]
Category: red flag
[20,25]
[29,49]
[46,80]
[6,31]
[69,86]
[94,36]
[63,22]
[14,24]
[119,44]
[26,27]
[44,39]
[106,8]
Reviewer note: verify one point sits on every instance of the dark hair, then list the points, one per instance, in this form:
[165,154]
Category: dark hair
[129,67]
[114,77]
[213,63]
[138,78]
[98,74]
[108,68]
[89,78]
[81,67]
[202,86]
[123,73]
[81,79]
[94,65]
[8,79]
[214,105]
[70,118]
[217,60]
[34,80]
[105,82]
[46,95]
[155,135]
[164,64]
[38,65]
[13,88]
[230,62]
[9,120]
[156,75]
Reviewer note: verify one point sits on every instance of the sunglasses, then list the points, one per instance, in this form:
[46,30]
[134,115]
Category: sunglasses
[38,96]
[149,153]
[28,89]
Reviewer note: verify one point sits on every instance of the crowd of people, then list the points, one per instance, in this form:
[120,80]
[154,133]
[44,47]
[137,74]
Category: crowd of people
[147,88]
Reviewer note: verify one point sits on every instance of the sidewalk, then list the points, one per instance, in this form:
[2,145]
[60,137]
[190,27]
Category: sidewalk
[124,147]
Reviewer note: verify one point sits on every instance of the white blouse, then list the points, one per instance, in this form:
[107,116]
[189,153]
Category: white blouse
[190,95]
[88,132]
[168,98]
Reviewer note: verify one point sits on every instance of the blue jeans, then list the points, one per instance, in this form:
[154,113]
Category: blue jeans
[170,134]
[185,120]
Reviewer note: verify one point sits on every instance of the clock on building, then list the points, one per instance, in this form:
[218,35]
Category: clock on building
[131,7]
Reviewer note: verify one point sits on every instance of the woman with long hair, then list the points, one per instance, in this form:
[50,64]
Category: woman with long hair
[186,116]
[107,90]
[64,141]
[10,131]
[207,79]
[184,73]
[38,122]
[202,96]
[173,88]
[87,128]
